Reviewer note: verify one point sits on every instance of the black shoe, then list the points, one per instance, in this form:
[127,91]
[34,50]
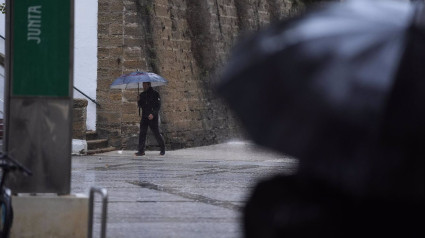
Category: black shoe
[162,153]
[139,153]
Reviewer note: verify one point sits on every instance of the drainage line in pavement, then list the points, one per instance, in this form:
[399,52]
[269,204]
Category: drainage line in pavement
[195,197]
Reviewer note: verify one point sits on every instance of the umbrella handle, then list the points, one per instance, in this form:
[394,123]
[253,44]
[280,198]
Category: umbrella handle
[138,93]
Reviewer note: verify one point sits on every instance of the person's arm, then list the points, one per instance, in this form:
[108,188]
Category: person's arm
[156,104]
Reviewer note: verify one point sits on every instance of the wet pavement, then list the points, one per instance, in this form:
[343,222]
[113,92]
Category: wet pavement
[190,193]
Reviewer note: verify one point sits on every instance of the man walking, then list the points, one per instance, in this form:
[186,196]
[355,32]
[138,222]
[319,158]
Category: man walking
[150,102]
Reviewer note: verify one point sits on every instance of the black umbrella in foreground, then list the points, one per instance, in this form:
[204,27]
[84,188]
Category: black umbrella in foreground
[342,88]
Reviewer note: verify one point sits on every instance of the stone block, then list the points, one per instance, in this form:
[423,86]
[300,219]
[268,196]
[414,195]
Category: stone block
[115,29]
[105,63]
[131,17]
[130,129]
[133,64]
[115,141]
[103,29]
[79,119]
[79,103]
[130,6]
[130,108]
[133,52]
[79,130]
[102,53]
[108,131]
[128,118]
[109,107]
[78,115]
[131,142]
[109,41]
[117,97]
[133,31]
[116,6]
[161,10]
[116,51]
[109,118]
[106,81]
[50,216]
[103,6]
[134,41]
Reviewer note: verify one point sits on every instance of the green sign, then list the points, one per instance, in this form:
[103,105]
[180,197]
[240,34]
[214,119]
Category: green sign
[41,48]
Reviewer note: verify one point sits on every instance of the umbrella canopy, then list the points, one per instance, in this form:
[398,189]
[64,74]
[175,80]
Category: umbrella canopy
[338,88]
[341,88]
[136,80]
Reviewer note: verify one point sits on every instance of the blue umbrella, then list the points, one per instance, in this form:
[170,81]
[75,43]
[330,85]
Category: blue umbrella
[136,80]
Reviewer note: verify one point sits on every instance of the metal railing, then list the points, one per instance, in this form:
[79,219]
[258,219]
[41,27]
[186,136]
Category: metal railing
[88,97]
[104,195]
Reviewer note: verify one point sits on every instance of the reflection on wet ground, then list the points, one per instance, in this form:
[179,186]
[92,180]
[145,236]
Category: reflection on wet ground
[196,192]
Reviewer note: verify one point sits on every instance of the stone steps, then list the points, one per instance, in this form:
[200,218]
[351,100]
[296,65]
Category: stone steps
[91,135]
[100,150]
[96,145]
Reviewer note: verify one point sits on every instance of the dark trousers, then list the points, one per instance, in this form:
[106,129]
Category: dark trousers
[153,124]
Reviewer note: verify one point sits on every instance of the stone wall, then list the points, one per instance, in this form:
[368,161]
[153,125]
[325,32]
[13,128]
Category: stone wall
[185,41]
[79,117]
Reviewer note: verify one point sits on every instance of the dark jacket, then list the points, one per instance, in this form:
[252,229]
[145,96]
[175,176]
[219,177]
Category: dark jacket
[150,102]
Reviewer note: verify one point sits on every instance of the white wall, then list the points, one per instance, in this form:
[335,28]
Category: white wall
[2,50]
[85,55]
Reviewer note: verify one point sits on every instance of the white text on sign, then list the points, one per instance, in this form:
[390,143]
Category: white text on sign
[34,24]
